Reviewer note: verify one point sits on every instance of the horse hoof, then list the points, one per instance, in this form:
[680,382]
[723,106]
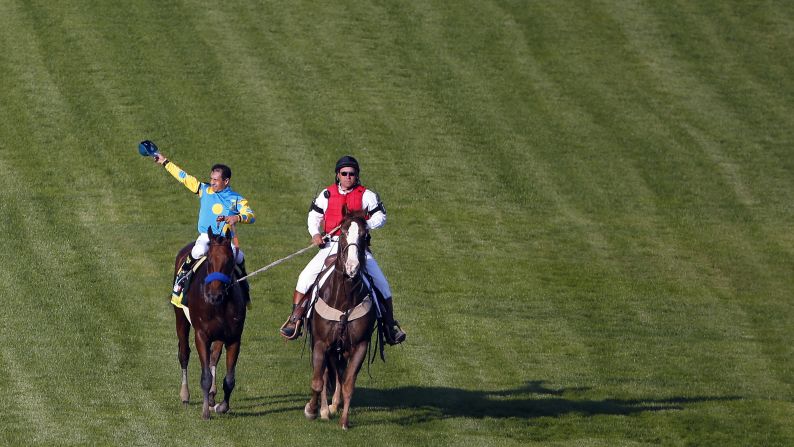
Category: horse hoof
[221,408]
[325,414]
[332,409]
[184,394]
[309,415]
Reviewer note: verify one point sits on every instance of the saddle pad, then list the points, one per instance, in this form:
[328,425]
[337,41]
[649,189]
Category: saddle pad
[331,314]
[180,300]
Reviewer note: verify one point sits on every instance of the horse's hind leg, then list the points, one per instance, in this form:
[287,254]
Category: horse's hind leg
[232,353]
[337,382]
[182,332]
[217,347]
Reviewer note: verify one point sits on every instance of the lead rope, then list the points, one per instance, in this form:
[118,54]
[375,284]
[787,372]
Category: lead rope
[286,258]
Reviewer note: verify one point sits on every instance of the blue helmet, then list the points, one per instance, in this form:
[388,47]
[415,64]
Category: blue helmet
[147,148]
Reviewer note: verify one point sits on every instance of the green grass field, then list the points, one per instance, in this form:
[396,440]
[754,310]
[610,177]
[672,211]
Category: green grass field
[591,215]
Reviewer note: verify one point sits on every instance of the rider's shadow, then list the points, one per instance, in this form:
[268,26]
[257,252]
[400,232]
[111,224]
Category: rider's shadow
[529,401]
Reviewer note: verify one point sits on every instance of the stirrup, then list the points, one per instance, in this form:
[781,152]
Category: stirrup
[295,334]
[394,333]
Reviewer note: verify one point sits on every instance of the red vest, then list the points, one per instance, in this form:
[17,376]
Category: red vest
[333,213]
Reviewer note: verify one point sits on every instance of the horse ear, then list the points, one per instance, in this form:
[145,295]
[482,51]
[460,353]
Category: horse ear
[209,232]
[227,233]
[344,210]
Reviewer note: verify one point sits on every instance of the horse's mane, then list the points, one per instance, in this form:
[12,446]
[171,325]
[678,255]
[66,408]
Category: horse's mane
[353,215]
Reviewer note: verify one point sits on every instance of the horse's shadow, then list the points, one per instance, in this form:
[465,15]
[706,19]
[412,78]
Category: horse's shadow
[532,400]
[424,404]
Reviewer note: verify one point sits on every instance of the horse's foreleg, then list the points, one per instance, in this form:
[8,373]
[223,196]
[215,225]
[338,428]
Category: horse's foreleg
[318,370]
[182,333]
[232,353]
[325,413]
[349,382]
[217,347]
[203,348]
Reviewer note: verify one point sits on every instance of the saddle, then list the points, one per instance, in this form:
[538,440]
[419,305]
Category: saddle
[329,313]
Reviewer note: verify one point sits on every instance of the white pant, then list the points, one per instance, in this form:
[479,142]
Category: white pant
[202,245]
[313,268]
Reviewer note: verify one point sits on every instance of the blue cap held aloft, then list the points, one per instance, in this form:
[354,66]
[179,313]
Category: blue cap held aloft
[147,148]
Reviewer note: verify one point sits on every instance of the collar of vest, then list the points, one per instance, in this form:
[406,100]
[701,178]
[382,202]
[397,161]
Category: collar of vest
[338,189]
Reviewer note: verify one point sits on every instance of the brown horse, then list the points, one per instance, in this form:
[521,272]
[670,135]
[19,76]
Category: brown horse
[217,314]
[341,323]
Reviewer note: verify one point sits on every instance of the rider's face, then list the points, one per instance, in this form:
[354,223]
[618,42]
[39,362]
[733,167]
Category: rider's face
[347,177]
[217,183]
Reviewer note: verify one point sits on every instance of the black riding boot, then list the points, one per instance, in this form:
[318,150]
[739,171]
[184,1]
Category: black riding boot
[182,278]
[181,281]
[291,329]
[394,334]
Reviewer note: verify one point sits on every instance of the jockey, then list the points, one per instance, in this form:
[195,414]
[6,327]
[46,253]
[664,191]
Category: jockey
[218,203]
[326,214]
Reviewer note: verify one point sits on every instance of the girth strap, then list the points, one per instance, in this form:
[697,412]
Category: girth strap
[331,314]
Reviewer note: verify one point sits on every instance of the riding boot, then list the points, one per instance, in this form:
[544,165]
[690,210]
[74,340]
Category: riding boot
[244,287]
[291,329]
[181,281]
[394,334]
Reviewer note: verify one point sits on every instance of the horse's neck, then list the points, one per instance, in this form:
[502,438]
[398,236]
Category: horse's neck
[343,294]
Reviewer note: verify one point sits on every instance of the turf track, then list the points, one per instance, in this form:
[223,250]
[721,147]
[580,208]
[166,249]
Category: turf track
[590,227]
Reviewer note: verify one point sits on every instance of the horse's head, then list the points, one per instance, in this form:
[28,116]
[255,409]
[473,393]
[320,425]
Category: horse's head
[353,241]
[220,266]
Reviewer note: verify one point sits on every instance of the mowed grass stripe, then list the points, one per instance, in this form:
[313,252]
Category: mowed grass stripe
[33,405]
[106,320]
[71,264]
[759,268]
[727,168]
[33,375]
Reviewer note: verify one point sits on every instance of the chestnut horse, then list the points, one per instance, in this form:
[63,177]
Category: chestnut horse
[217,314]
[340,339]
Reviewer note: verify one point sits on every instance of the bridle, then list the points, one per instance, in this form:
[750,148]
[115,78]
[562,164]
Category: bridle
[225,279]
[343,250]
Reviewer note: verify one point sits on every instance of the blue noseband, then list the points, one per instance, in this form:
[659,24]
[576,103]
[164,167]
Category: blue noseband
[217,276]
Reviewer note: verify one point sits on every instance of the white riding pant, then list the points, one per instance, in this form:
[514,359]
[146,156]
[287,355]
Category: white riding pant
[315,266]
[202,245]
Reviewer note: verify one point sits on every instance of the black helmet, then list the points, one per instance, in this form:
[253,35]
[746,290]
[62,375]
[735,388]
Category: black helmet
[347,162]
